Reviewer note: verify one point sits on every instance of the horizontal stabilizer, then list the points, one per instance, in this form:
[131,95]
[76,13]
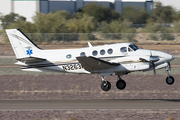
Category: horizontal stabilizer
[92,63]
[31,60]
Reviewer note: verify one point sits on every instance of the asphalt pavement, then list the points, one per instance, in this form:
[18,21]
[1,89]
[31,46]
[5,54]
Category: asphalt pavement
[88,104]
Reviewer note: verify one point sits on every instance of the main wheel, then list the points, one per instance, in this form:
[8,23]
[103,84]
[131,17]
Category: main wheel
[121,84]
[106,85]
[170,80]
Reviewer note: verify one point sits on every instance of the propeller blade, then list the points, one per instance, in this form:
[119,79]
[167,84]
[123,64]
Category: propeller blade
[153,58]
[146,59]
[150,53]
[153,66]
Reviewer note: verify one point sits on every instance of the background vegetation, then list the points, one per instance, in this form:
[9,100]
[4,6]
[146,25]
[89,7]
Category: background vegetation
[95,18]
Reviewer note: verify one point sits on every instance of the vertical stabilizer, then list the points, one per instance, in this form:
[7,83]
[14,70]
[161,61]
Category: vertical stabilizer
[23,47]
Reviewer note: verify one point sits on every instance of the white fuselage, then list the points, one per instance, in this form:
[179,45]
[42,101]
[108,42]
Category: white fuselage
[65,60]
[118,59]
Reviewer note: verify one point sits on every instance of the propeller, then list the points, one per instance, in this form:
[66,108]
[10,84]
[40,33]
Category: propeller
[153,66]
[152,63]
[151,59]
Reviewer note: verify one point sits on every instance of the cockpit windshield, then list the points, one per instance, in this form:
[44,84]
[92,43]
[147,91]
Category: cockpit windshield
[132,46]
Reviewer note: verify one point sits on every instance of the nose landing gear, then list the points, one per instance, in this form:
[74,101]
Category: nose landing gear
[169,80]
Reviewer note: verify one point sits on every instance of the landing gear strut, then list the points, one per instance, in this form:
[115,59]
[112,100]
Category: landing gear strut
[120,84]
[169,80]
[105,85]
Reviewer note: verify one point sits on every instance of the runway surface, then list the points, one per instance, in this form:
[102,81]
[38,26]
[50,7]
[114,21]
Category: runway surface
[87,104]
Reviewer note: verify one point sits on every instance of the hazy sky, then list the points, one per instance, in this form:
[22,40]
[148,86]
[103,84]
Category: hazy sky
[174,3]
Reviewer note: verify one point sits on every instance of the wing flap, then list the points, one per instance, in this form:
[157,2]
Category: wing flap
[92,63]
[31,60]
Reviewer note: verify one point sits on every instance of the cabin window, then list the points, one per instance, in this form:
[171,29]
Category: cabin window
[68,56]
[129,49]
[132,46]
[94,53]
[102,52]
[83,54]
[123,49]
[110,51]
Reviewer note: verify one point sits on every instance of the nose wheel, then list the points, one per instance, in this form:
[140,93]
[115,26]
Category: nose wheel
[169,80]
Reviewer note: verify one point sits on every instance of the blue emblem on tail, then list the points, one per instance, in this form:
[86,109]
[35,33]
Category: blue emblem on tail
[29,51]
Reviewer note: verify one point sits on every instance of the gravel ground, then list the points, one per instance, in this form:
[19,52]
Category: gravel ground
[86,87]
[91,115]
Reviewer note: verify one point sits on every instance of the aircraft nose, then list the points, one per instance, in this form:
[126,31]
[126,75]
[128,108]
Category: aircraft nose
[170,57]
[167,57]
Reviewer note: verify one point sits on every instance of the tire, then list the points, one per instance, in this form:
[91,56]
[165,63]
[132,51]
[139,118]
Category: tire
[120,84]
[170,80]
[105,85]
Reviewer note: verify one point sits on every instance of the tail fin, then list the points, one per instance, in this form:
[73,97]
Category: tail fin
[23,47]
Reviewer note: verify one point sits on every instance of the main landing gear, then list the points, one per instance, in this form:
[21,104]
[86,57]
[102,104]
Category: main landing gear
[120,84]
[106,85]
[169,80]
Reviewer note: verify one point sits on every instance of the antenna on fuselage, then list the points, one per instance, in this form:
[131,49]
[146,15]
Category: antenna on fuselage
[90,44]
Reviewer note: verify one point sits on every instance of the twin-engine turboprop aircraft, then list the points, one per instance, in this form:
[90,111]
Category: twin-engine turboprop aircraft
[115,59]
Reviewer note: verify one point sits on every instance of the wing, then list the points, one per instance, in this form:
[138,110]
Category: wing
[31,60]
[92,63]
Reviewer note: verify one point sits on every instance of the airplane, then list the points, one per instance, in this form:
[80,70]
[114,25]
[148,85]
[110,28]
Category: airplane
[106,60]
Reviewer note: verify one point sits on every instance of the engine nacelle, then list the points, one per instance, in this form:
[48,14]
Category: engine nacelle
[161,66]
